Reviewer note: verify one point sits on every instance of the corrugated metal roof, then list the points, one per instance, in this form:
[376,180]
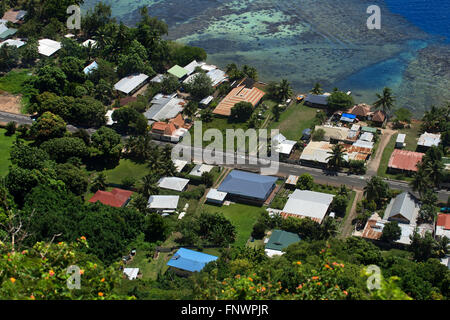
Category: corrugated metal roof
[173,183]
[320,99]
[248,184]
[429,139]
[215,194]
[163,202]
[308,203]
[48,47]
[178,71]
[164,108]
[405,160]
[403,205]
[128,84]
[281,239]
[190,260]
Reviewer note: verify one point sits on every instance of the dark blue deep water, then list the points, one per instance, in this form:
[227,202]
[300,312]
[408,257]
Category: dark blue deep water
[432,16]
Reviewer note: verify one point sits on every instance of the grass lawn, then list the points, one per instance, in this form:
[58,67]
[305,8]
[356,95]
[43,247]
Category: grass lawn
[412,136]
[13,82]
[242,216]
[294,120]
[5,145]
[126,168]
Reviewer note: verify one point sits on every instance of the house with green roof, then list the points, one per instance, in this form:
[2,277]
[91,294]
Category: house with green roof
[369,129]
[178,71]
[280,240]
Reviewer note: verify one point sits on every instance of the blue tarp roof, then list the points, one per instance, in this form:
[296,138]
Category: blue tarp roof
[190,260]
[307,131]
[348,117]
[248,184]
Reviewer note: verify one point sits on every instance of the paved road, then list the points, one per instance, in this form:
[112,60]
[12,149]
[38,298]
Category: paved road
[18,118]
[285,169]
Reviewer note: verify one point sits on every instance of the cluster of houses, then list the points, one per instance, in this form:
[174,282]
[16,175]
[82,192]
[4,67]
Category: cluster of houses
[405,161]
[358,142]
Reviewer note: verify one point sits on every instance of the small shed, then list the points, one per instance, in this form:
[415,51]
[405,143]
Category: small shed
[400,142]
[215,196]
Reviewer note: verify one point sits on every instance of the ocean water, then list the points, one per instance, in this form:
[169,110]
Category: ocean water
[326,41]
[433,16]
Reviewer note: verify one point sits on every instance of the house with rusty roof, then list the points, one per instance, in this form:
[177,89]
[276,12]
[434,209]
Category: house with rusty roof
[404,209]
[244,91]
[14,16]
[362,111]
[378,117]
[404,161]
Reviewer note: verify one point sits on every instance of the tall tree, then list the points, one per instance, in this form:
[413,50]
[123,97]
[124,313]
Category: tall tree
[336,158]
[385,101]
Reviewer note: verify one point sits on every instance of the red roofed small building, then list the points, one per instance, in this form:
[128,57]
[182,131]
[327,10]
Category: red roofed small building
[117,198]
[404,161]
[172,131]
[443,225]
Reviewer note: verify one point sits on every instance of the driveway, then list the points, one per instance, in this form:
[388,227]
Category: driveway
[374,163]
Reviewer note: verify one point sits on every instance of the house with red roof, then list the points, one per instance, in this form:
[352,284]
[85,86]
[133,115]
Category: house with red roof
[245,91]
[172,131]
[117,198]
[443,225]
[404,161]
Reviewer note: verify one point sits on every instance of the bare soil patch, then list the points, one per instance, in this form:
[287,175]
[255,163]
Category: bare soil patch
[10,103]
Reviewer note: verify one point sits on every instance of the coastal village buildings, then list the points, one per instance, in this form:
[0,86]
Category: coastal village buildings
[244,91]
[403,209]
[403,161]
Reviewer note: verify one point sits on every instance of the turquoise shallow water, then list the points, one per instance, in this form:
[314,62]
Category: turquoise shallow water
[306,41]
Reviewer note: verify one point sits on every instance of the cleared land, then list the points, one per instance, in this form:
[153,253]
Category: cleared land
[17,100]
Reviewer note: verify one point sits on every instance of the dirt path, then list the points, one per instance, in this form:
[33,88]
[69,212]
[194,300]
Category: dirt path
[374,163]
[347,228]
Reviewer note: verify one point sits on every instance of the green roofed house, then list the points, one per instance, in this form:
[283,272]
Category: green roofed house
[280,240]
[178,71]
[369,129]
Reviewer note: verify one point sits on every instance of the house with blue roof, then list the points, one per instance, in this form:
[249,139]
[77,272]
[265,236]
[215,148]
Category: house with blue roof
[248,187]
[186,261]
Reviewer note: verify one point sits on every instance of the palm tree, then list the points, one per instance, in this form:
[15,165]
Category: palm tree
[376,189]
[336,158]
[420,182]
[385,101]
[284,90]
[149,186]
[317,89]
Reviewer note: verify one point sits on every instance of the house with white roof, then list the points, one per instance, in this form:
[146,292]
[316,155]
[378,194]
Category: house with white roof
[400,142]
[173,183]
[109,120]
[179,164]
[199,169]
[306,203]
[163,204]
[131,273]
[164,107]
[13,43]
[131,84]
[215,196]
[48,47]
[428,140]
[89,42]
[282,145]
